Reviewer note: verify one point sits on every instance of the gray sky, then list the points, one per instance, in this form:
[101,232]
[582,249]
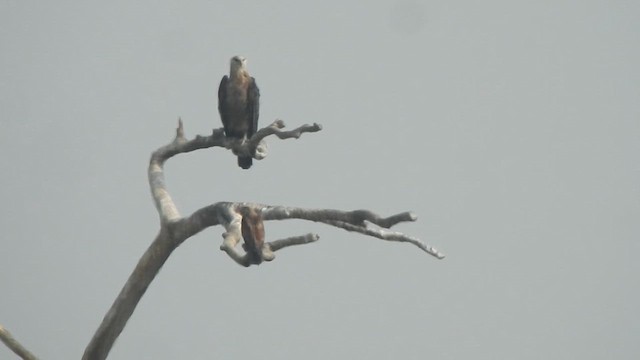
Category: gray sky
[512,129]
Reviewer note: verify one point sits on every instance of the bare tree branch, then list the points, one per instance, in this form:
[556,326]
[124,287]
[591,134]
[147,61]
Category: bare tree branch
[174,229]
[166,208]
[14,345]
[355,217]
[274,129]
[387,235]
[295,240]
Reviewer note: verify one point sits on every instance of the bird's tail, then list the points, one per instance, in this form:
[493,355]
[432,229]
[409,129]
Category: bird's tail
[245,162]
[252,251]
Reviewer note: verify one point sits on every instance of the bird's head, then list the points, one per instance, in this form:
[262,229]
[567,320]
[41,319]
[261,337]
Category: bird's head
[249,212]
[238,63]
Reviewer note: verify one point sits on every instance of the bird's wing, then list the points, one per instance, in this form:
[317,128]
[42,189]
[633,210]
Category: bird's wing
[259,233]
[252,228]
[222,105]
[247,233]
[253,106]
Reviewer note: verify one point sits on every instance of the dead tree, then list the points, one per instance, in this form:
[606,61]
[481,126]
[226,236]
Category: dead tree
[175,229]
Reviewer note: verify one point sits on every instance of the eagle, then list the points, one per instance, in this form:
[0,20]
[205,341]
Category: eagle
[253,233]
[239,104]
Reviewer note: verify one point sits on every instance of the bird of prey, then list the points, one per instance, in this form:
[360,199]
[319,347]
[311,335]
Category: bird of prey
[239,104]
[252,233]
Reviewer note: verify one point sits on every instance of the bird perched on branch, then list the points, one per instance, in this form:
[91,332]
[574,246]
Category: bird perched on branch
[252,233]
[239,104]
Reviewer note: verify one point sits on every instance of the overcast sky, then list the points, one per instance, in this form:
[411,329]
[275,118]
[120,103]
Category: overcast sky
[512,129]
